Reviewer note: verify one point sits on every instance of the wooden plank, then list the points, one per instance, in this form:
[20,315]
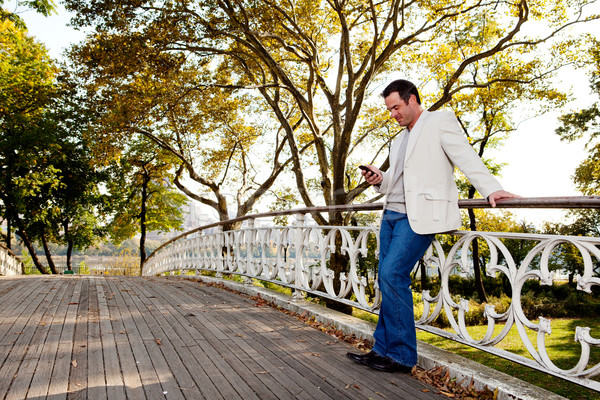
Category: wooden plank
[59,381]
[7,286]
[237,347]
[190,375]
[114,382]
[317,388]
[166,362]
[331,366]
[259,378]
[131,317]
[261,352]
[202,365]
[43,371]
[24,374]
[237,382]
[152,338]
[326,356]
[15,310]
[131,377]
[77,389]
[96,382]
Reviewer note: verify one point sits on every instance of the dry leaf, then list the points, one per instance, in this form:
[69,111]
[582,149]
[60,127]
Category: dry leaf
[313,354]
[158,342]
[74,363]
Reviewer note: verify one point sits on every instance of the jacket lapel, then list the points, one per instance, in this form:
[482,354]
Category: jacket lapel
[414,134]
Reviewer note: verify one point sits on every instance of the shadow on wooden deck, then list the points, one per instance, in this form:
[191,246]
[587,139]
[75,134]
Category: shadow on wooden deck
[78,337]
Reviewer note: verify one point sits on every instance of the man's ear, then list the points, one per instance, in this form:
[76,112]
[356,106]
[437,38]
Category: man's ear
[412,99]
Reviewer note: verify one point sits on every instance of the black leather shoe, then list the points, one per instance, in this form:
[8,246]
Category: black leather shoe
[363,358]
[386,364]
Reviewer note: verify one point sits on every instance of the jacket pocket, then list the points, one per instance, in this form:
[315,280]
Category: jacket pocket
[433,205]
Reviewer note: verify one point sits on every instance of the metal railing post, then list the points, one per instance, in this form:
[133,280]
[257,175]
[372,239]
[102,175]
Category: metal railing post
[298,264]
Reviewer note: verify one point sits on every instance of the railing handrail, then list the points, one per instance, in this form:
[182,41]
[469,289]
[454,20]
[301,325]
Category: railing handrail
[562,202]
[9,251]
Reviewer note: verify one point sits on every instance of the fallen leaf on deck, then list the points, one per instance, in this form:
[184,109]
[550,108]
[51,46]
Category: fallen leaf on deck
[312,354]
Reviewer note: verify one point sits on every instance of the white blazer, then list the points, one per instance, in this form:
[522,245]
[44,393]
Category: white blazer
[435,146]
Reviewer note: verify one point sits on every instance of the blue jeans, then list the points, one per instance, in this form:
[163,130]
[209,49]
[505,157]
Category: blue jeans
[399,250]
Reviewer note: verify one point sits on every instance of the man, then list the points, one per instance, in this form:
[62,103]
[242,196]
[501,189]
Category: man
[421,199]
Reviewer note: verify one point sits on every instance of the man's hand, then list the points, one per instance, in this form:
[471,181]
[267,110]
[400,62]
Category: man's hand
[500,194]
[373,176]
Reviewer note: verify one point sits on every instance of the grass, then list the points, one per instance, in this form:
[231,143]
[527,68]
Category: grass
[563,351]
[561,347]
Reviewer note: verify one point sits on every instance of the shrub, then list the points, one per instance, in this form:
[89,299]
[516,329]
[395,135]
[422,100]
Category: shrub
[555,301]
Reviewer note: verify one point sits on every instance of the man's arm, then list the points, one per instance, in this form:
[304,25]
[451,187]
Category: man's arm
[462,154]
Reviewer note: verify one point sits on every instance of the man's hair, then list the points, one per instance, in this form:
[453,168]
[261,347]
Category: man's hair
[404,88]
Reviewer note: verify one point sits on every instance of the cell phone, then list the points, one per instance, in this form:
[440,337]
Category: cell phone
[367,169]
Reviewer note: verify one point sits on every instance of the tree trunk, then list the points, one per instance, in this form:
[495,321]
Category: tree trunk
[338,262]
[143,220]
[8,230]
[424,277]
[32,253]
[47,251]
[475,255]
[69,254]
[69,245]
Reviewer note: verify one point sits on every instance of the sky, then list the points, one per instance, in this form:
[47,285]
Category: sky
[539,164]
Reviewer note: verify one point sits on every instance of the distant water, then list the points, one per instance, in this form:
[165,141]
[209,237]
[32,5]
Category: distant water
[97,264]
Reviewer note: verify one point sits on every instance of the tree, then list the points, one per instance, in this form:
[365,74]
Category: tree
[311,66]
[576,125]
[44,7]
[81,205]
[142,195]
[519,249]
[47,179]
[26,74]
[202,127]
[488,115]
[586,122]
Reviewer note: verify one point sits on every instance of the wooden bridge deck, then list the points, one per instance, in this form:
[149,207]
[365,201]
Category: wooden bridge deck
[77,337]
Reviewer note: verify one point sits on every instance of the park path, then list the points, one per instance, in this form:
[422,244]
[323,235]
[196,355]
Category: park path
[104,337]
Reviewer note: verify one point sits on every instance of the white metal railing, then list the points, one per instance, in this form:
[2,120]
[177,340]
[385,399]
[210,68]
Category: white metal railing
[297,256]
[10,264]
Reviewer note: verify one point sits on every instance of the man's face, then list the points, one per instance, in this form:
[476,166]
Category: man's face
[406,114]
